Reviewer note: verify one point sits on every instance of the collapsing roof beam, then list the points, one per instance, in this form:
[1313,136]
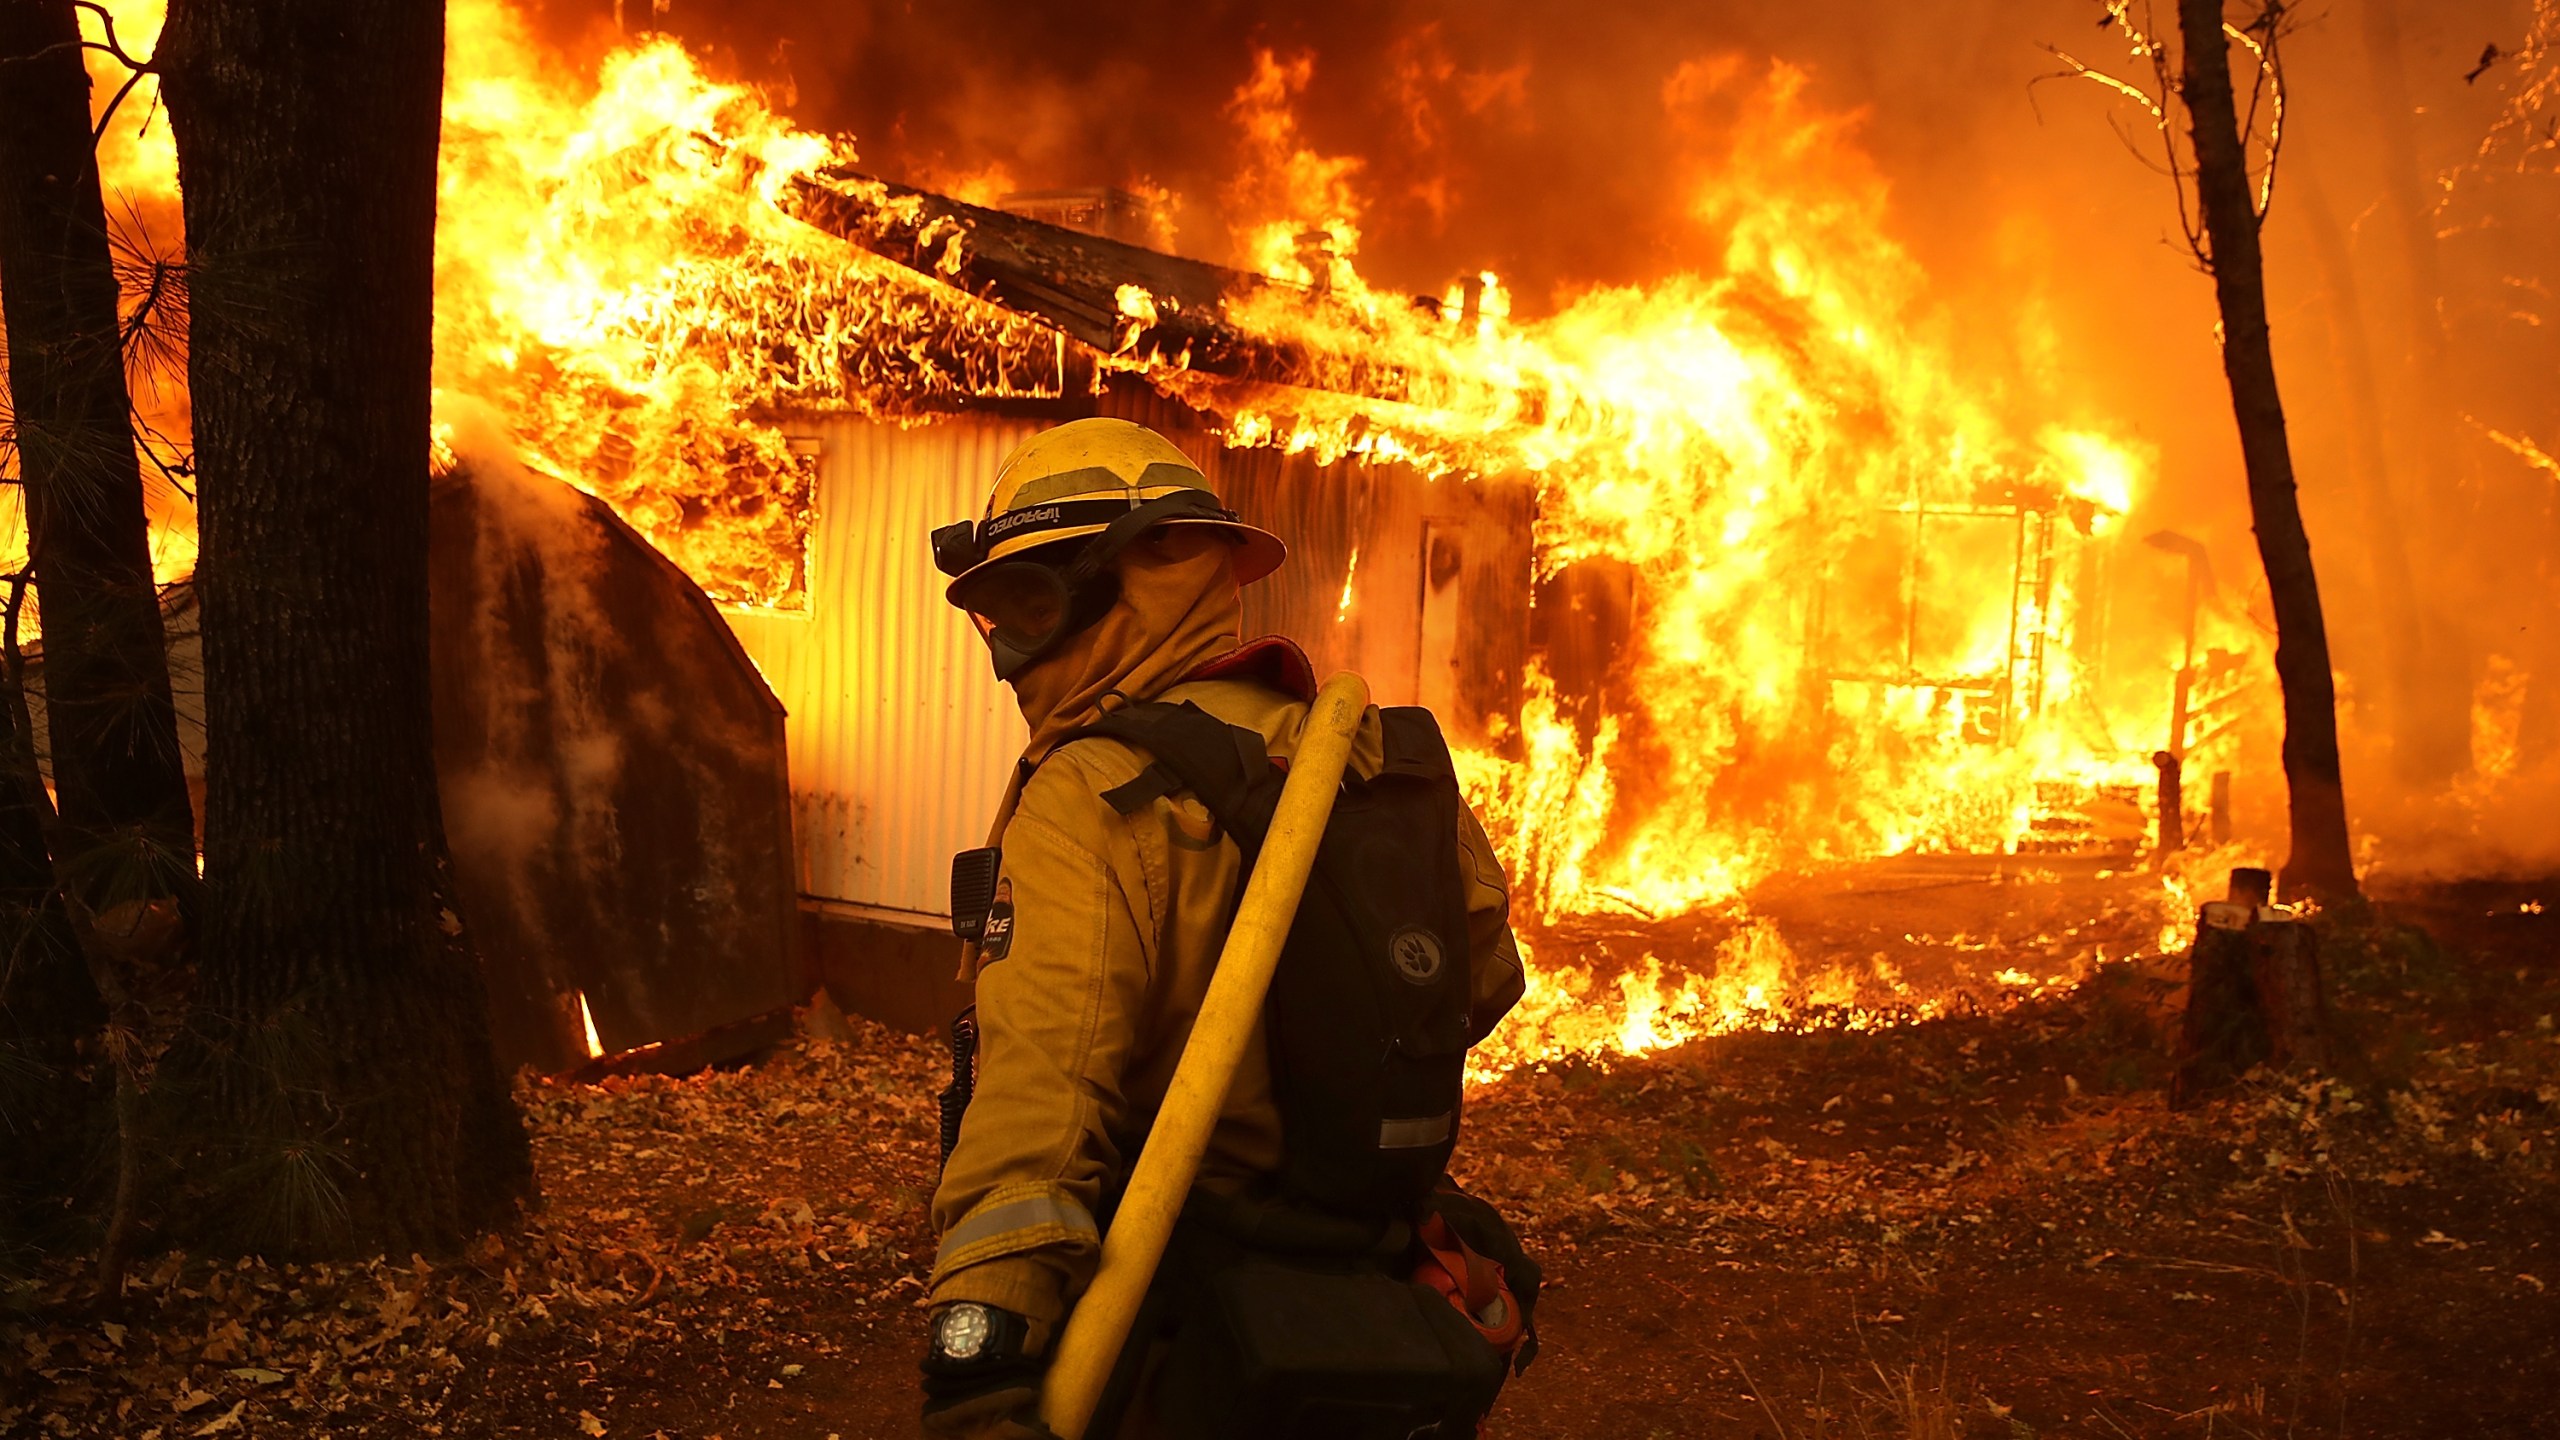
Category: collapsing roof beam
[1067,278]
[1085,285]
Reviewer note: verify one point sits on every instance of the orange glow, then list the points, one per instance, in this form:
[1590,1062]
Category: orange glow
[135,153]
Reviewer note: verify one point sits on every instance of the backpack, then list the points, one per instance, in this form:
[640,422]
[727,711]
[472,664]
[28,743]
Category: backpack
[1367,1020]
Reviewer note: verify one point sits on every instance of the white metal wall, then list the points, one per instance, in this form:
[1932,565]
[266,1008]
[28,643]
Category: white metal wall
[900,736]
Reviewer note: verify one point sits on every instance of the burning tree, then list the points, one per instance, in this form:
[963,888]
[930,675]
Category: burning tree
[2229,205]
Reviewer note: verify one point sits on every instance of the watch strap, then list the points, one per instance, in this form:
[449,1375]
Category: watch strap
[1007,1343]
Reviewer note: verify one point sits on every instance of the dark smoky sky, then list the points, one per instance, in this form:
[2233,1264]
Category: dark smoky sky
[1529,138]
[1535,139]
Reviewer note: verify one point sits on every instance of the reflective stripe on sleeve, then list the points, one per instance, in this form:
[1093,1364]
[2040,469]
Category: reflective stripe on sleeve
[1036,1218]
[1415,1134]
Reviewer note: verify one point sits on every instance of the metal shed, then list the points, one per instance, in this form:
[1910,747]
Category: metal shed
[611,768]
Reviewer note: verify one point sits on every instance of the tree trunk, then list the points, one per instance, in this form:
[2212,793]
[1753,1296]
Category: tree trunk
[2254,994]
[2538,728]
[2437,746]
[124,835]
[2320,863]
[2387,522]
[307,134]
[112,727]
[49,1009]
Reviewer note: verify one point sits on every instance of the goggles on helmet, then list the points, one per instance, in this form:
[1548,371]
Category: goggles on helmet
[1026,607]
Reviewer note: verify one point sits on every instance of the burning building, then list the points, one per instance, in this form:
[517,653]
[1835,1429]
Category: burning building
[1713,579]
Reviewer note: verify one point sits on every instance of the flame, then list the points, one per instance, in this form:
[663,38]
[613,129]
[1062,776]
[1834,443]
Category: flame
[616,275]
[587,1021]
[1855,575]
[1303,194]
[1782,454]
[2178,906]
[136,155]
[1138,307]
[1754,981]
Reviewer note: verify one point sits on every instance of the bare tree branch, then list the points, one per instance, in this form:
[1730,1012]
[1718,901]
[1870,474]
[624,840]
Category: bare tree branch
[107,27]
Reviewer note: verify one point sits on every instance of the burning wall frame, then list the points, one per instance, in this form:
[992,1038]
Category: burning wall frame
[2014,693]
[2044,531]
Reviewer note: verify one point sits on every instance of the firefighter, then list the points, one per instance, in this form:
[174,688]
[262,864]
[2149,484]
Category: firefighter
[1105,574]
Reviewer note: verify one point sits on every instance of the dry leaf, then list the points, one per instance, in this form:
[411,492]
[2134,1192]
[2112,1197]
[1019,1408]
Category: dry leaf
[227,1420]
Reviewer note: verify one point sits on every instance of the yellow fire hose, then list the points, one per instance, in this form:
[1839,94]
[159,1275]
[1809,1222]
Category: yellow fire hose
[1090,1345]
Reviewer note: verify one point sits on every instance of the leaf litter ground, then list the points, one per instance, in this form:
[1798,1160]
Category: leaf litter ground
[1985,1225]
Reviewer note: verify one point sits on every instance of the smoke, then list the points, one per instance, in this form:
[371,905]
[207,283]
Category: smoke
[1531,139]
[548,750]
[1562,147]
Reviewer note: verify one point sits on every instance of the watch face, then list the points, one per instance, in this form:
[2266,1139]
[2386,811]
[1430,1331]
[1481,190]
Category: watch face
[961,1332]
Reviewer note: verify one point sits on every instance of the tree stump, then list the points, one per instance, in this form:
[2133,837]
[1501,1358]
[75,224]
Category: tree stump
[2284,969]
[2253,992]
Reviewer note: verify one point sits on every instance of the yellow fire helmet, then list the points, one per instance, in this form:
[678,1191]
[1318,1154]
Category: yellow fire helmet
[1102,481]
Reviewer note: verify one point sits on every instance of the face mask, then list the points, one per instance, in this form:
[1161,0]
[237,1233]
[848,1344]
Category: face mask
[1025,608]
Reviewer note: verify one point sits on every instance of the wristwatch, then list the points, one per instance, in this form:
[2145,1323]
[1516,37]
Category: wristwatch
[970,1336]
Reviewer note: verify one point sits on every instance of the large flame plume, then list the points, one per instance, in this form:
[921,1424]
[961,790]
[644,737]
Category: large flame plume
[615,273]
[1855,579]
[1759,444]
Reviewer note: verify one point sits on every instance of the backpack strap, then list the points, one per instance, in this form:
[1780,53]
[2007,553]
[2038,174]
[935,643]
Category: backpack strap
[1226,767]
[1153,784]
[1414,744]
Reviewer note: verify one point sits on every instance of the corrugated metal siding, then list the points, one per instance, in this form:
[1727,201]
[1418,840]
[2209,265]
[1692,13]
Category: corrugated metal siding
[1348,522]
[1327,514]
[900,737]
